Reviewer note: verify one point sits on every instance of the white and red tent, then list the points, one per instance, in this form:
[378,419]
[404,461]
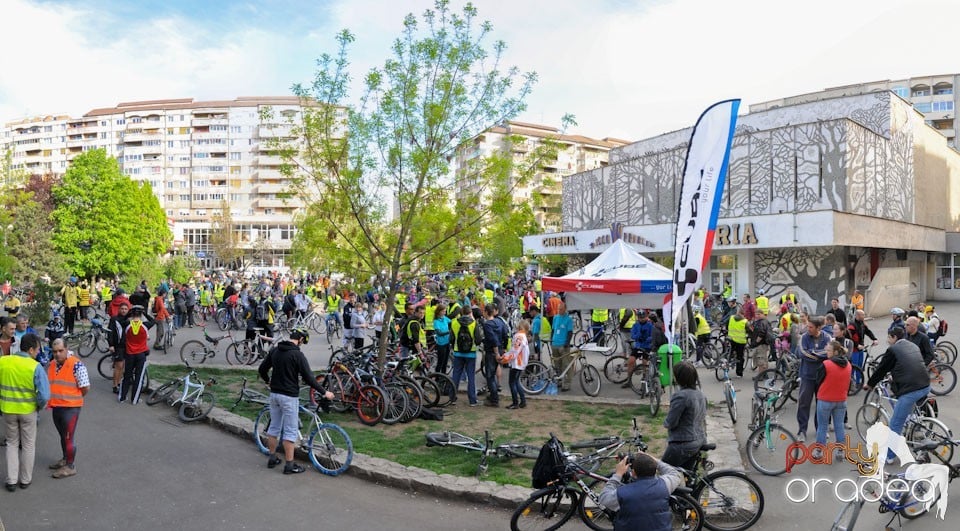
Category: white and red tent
[619,278]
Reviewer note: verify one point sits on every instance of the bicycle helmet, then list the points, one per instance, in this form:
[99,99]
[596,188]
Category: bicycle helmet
[897,311]
[301,334]
[760,292]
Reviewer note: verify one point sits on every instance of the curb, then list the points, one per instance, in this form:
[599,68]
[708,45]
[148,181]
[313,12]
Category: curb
[719,430]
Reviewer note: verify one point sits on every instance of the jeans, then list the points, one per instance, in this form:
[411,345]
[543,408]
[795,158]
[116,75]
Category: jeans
[490,374]
[21,446]
[902,410]
[857,359]
[516,392]
[736,350]
[465,367]
[808,389]
[683,455]
[827,411]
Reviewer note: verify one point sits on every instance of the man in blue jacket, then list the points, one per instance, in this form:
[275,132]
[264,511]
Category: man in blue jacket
[813,350]
[644,503]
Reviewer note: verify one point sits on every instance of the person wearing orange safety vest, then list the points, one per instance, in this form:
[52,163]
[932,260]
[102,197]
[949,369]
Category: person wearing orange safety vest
[69,383]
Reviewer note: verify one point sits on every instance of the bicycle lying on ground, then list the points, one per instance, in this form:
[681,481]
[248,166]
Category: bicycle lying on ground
[486,448]
[328,445]
[195,402]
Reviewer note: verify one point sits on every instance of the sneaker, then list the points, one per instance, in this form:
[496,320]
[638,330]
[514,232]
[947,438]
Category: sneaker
[453,402]
[491,404]
[59,464]
[513,406]
[24,485]
[474,404]
[523,405]
[802,437]
[65,472]
[817,453]
[12,487]
[273,461]
[293,468]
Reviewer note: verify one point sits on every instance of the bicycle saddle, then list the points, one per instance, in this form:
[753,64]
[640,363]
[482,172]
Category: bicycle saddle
[707,447]
[926,445]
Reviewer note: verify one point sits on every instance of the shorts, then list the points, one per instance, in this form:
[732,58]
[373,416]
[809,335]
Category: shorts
[639,353]
[284,417]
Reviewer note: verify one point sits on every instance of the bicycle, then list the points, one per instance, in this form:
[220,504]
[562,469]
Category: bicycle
[196,351]
[552,506]
[169,334]
[250,396]
[722,373]
[105,368]
[249,351]
[92,340]
[537,376]
[606,448]
[785,377]
[649,385]
[227,317]
[906,506]
[920,424]
[328,445]
[730,500]
[768,441]
[486,448]
[195,402]
[609,338]
[334,328]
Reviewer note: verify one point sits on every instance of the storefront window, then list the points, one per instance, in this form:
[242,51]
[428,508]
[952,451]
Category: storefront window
[948,271]
[723,270]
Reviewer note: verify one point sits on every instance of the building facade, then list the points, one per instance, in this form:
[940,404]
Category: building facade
[825,196]
[575,154]
[195,155]
[933,96]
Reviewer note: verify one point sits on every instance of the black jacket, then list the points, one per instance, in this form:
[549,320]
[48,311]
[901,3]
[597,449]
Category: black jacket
[289,366]
[922,341]
[904,361]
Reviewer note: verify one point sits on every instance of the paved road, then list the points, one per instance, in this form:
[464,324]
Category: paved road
[140,468]
[780,513]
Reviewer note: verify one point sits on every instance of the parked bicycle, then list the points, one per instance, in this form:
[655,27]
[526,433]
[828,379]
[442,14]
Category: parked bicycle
[486,448]
[92,340]
[196,351]
[189,392]
[646,383]
[768,441]
[249,351]
[730,500]
[537,376]
[722,373]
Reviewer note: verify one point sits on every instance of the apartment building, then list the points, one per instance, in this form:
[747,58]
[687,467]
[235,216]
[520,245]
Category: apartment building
[544,191]
[933,96]
[194,154]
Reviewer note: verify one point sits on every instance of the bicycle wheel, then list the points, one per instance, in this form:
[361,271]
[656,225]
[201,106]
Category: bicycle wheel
[102,344]
[931,429]
[653,397]
[948,345]
[942,355]
[847,518]
[234,353]
[414,399]
[446,438]
[198,408]
[518,450]
[545,510]
[786,394]
[260,427]
[342,388]
[445,386]
[767,447]
[371,403]
[430,391]
[223,319]
[193,352]
[687,515]
[942,379]
[88,344]
[590,380]
[730,397]
[535,378]
[615,369]
[329,333]
[709,357]
[396,404]
[771,379]
[579,338]
[730,500]
[331,450]
[856,381]
[913,502]
[164,392]
[593,514]
[105,366]
[315,323]
[868,415]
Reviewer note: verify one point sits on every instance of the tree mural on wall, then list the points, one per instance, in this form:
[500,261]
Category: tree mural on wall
[817,274]
[583,205]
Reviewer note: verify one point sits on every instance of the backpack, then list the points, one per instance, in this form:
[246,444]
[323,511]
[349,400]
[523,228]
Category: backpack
[260,314]
[942,328]
[549,464]
[465,336]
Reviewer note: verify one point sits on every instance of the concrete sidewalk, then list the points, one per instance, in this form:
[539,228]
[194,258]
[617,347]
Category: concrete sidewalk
[719,430]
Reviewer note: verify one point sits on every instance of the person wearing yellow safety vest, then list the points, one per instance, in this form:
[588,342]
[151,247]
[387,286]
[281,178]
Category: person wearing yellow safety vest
[763,303]
[83,300]
[737,333]
[218,291]
[429,314]
[333,307]
[627,317]
[24,389]
[106,295]
[703,335]
[400,303]
[69,383]
[727,290]
[539,329]
[69,295]
[598,318]
[465,354]
[410,340]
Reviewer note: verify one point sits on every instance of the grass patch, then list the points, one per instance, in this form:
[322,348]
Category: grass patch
[406,443]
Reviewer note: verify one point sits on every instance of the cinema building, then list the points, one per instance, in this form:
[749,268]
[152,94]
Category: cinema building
[822,196]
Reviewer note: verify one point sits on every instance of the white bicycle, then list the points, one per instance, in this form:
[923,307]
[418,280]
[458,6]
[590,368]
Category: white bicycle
[195,402]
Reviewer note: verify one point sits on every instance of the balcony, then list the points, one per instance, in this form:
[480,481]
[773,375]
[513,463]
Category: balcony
[140,137]
[275,131]
[209,134]
[208,121]
[270,175]
[271,188]
[269,160]
[292,202]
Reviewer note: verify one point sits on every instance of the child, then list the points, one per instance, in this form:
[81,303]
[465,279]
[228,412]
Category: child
[517,356]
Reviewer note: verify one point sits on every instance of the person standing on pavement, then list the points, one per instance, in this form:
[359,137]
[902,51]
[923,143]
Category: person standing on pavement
[760,336]
[137,347]
[69,383]
[813,350]
[833,382]
[442,335]
[68,294]
[737,334]
[283,370]
[562,336]
[686,420]
[161,314]
[117,345]
[911,382]
[24,390]
[493,340]
[838,312]
[859,332]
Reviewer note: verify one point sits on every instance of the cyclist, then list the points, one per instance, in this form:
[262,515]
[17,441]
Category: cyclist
[333,307]
[598,317]
[283,369]
[642,336]
[686,418]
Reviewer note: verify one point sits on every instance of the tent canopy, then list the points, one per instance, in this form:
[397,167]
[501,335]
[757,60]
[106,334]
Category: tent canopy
[619,278]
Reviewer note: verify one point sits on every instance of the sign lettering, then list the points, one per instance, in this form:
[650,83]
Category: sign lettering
[736,234]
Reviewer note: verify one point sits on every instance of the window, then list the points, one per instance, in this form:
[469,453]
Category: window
[903,92]
[922,107]
[121,121]
[948,271]
[235,197]
[234,129]
[920,91]
[234,155]
[723,270]
[184,197]
[941,106]
[218,128]
[942,91]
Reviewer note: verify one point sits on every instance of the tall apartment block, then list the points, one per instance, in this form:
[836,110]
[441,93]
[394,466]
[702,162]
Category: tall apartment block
[576,154]
[194,154]
[934,96]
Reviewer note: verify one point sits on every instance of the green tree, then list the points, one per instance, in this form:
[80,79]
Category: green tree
[502,239]
[443,84]
[28,243]
[223,240]
[105,223]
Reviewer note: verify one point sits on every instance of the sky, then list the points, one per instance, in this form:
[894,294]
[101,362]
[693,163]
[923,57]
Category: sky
[627,69]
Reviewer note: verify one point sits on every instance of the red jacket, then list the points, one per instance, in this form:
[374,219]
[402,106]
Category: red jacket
[136,341]
[836,381]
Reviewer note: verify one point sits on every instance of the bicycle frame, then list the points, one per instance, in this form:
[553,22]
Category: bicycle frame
[191,390]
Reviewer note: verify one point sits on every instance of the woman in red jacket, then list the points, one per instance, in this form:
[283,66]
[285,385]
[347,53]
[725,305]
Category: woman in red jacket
[834,378]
